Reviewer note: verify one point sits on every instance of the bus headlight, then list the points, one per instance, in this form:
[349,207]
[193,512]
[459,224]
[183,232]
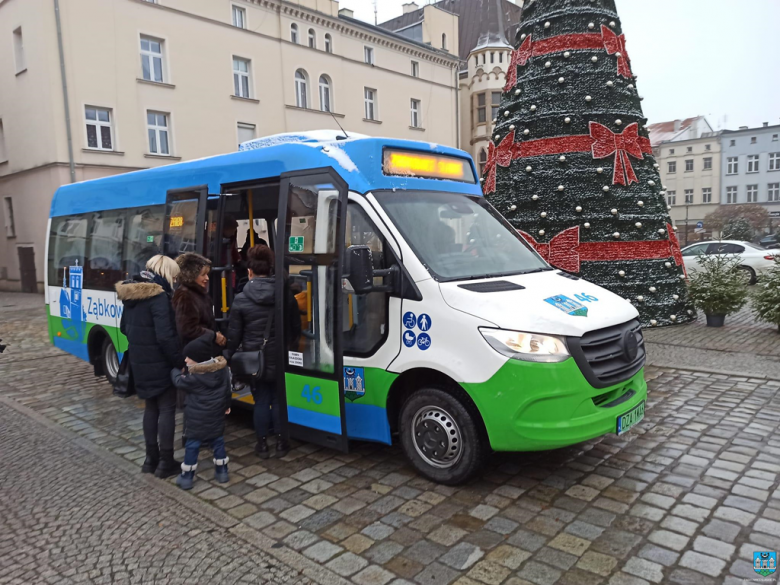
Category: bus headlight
[530,347]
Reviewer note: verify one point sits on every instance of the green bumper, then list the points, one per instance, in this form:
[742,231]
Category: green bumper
[533,407]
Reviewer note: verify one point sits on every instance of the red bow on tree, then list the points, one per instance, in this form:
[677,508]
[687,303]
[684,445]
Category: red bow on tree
[520,56]
[606,142]
[617,44]
[501,155]
[561,252]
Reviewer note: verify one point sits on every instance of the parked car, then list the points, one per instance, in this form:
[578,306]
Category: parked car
[753,259]
[770,242]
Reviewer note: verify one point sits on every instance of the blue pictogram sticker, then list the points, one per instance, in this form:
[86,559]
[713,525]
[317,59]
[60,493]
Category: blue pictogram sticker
[409,320]
[424,341]
[567,305]
[424,322]
[409,338]
[765,563]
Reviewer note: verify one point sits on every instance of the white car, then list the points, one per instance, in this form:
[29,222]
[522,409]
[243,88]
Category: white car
[753,259]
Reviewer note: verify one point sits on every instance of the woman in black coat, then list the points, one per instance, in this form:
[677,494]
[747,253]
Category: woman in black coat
[149,324]
[248,320]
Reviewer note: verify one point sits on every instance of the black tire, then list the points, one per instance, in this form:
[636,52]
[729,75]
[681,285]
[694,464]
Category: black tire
[109,360]
[440,410]
[750,274]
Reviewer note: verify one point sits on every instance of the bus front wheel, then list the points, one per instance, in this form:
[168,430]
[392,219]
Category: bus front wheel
[441,437]
[110,360]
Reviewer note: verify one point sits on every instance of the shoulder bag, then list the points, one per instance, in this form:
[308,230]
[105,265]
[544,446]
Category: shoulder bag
[248,366]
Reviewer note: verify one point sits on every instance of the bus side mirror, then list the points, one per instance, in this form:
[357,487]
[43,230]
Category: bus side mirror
[361,269]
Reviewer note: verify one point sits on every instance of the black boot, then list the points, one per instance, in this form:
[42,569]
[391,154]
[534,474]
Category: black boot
[261,449]
[168,466]
[152,458]
[282,447]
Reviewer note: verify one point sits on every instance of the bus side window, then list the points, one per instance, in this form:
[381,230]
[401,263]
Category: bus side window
[365,316]
[103,266]
[142,238]
[67,247]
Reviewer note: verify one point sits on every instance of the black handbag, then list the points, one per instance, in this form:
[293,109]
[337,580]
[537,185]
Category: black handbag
[248,366]
[124,385]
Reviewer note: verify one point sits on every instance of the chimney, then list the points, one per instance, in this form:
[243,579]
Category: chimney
[766,124]
[677,125]
[346,12]
[410,7]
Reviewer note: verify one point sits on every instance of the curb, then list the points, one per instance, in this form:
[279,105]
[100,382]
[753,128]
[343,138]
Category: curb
[283,554]
[730,373]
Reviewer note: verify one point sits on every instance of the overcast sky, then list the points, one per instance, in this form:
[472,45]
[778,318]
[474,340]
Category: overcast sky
[717,58]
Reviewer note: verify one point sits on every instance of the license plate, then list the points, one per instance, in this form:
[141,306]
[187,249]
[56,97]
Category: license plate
[626,422]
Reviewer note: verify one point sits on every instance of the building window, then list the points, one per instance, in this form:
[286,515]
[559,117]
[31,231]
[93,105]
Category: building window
[753,140]
[483,58]
[688,196]
[294,33]
[707,147]
[708,163]
[671,167]
[415,69]
[444,41]
[328,43]
[496,103]
[752,163]
[245,132]
[416,114]
[370,103]
[10,226]
[312,39]
[706,195]
[732,165]
[731,194]
[482,160]
[671,151]
[301,89]
[98,128]
[671,197]
[774,161]
[368,55]
[3,149]
[241,83]
[19,59]
[476,61]
[689,149]
[688,165]
[239,17]
[325,94]
[774,137]
[152,59]
[492,57]
[752,193]
[481,113]
[501,57]
[157,127]
[773,193]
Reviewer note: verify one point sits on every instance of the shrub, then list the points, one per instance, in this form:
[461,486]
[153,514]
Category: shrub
[738,228]
[766,299]
[718,287]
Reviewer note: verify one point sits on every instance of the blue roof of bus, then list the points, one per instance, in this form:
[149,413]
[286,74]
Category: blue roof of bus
[358,160]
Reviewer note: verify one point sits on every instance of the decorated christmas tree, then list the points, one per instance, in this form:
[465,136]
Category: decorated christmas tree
[570,164]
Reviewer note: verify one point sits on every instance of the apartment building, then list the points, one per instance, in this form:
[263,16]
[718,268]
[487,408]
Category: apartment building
[136,84]
[691,175]
[750,167]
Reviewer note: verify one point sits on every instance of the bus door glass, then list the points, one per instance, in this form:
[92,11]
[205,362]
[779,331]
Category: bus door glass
[185,221]
[309,257]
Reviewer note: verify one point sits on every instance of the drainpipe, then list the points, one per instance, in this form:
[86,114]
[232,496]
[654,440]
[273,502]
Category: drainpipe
[457,105]
[71,162]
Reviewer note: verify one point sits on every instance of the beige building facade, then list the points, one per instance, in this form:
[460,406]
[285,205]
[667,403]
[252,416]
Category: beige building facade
[151,83]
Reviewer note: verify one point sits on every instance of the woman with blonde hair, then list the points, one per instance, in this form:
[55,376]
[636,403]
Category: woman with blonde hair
[149,323]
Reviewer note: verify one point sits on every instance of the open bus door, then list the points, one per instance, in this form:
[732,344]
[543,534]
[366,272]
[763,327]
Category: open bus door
[185,217]
[310,250]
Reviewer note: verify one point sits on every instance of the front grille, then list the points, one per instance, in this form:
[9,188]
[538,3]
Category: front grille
[601,354]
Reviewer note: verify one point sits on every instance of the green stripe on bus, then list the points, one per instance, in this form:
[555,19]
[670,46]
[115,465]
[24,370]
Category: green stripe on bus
[315,394]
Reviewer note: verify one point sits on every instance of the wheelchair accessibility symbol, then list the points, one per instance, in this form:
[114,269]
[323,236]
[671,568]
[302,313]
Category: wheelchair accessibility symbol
[409,338]
[424,341]
[410,320]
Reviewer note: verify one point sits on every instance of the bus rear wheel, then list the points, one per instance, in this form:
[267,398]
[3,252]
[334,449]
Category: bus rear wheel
[110,360]
[440,437]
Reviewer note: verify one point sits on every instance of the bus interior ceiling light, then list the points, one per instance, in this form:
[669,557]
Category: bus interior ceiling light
[429,166]
[526,346]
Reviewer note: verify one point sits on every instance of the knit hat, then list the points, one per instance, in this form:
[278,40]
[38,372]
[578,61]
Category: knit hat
[191,265]
[200,349]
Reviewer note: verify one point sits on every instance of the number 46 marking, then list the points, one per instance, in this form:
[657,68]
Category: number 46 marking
[312,395]
[585,298]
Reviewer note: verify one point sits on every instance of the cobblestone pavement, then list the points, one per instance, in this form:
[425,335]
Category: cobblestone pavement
[743,345]
[685,498]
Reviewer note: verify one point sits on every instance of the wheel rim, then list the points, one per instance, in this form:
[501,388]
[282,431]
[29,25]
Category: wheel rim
[111,361]
[437,437]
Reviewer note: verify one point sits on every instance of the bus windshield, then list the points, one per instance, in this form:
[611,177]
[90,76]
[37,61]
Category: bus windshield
[458,237]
